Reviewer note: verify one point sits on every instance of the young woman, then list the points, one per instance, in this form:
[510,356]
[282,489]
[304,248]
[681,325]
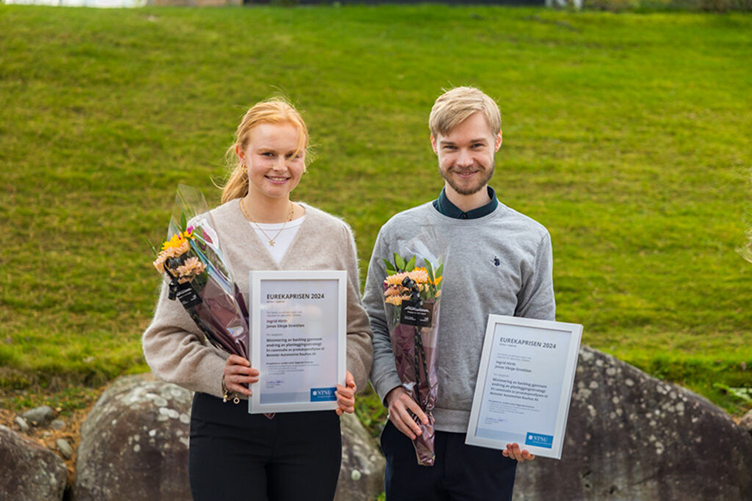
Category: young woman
[233,454]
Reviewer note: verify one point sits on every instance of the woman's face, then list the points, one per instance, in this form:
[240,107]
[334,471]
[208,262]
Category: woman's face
[274,163]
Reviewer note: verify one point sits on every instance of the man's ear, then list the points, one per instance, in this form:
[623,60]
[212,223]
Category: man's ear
[498,141]
[433,144]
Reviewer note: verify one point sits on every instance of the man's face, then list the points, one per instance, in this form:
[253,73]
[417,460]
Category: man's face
[466,154]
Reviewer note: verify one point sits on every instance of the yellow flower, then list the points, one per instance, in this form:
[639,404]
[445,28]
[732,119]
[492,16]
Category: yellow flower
[437,281]
[176,241]
[177,251]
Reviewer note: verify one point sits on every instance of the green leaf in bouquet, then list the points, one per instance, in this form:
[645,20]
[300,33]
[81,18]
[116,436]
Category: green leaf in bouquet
[429,269]
[439,271]
[151,246]
[399,262]
[199,238]
[183,221]
[410,266]
[389,266]
[391,272]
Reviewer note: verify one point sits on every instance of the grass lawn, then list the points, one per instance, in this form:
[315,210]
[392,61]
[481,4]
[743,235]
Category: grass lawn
[626,135]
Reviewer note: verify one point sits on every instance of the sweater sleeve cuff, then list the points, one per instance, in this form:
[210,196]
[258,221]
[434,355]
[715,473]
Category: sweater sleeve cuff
[209,376]
[385,384]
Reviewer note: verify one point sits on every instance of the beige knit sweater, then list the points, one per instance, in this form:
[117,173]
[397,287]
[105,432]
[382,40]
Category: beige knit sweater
[177,351]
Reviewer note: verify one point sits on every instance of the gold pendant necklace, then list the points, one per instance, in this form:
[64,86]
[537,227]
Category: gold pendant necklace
[273,239]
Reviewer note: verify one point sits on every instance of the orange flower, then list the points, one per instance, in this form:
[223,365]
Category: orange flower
[420,275]
[395,280]
[192,267]
[159,262]
[397,300]
[171,251]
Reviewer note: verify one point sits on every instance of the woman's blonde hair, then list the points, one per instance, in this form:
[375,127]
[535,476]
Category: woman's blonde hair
[457,105]
[276,110]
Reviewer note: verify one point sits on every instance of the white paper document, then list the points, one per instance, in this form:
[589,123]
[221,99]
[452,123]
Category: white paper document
[524,384]
[298,336]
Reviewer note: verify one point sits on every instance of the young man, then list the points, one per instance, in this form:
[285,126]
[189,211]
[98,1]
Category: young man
[499,262]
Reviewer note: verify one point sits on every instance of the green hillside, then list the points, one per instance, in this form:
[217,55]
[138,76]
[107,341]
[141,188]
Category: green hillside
[626,135]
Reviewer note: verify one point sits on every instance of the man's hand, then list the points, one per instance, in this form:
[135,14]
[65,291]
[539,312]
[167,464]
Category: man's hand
[346,395]
[513,451]
[402,412]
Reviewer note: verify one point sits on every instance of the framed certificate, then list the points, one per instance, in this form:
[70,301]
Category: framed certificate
[524,384]
[298,336]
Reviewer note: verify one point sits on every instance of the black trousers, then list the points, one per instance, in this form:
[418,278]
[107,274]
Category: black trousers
[239,456]
[460,472]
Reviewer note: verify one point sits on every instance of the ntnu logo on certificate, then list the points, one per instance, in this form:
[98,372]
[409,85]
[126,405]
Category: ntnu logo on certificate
[323,394]
[539,440]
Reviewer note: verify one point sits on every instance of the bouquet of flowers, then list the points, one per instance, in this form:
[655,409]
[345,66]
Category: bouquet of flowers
[191,261]
[412,295]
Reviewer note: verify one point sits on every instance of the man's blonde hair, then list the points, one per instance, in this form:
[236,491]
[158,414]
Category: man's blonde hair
[457,105]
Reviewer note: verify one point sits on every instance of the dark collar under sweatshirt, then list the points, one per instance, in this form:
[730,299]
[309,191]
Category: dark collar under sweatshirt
[448,209]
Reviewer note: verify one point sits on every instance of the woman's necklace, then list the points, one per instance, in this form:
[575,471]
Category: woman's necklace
[270,239]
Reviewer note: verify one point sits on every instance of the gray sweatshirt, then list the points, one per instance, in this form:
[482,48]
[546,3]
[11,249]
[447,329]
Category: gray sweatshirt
[500,263]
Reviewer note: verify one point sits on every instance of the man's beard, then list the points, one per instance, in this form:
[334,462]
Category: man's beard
[482,181]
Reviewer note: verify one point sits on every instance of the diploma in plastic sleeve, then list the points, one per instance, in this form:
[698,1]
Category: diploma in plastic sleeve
[298,339]
[524,384]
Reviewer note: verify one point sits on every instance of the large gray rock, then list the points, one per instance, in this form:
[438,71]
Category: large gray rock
[134,443]
[134,446]
[29,471]
[633,437]
[361,477]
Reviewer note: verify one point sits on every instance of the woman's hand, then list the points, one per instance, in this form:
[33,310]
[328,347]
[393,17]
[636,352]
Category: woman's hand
[346,395]
[238,374]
